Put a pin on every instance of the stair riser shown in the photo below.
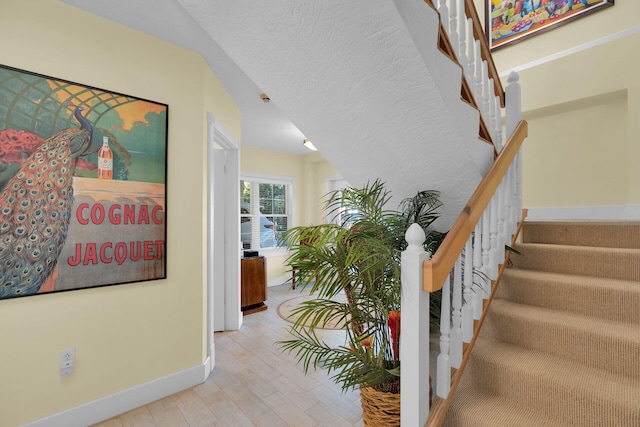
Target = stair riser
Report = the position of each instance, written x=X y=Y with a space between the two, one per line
x=613 y=303
x=575 y=406
x=595 y=349
x=623 y=264
x=583 y=234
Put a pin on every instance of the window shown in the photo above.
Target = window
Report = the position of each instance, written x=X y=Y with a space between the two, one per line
x=343 y=216
x=264 y=210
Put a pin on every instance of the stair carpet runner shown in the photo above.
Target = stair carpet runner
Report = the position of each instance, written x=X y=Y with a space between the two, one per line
x=560 y=345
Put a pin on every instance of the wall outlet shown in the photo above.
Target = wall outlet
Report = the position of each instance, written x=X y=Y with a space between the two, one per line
x=67 y=359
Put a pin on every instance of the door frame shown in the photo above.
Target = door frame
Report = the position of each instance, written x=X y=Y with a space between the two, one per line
x=220 y=142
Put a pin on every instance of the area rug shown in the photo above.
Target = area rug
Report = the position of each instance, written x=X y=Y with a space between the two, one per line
x=285 y=310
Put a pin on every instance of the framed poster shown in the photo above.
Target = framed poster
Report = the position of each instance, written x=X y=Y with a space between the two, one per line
x=510 y=21
x=82 y=186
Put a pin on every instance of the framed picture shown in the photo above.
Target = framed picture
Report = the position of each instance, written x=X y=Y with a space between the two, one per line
x=82 y=186
x=511 y=21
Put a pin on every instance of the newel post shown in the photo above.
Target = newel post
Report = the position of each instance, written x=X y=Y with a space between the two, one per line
x=513 y=103
x=414 y=338
x=513 y=107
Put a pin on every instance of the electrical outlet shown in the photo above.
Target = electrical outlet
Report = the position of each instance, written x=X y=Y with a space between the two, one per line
x=67 y=358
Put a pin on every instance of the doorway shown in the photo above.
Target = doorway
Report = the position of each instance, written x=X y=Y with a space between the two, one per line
x=223 y=233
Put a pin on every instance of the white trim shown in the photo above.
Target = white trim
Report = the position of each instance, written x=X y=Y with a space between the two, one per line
x=267 y=179
x=613 y=213
x=118 y=403
x=222 y=136
x=571 y=51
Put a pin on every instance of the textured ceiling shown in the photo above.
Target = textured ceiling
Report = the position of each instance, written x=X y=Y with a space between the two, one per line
x=263 y=125
x=349 y=75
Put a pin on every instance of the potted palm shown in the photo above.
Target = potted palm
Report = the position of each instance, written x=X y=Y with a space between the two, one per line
x=352 y=270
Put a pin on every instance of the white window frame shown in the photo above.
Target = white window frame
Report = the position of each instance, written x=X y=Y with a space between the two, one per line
x=335 y=183
x=289 y=182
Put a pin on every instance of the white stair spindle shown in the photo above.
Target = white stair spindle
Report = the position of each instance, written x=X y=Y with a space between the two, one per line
x=493 y=231
x=502 y=232
x=486 y=250
x=444 y=15
x=478 y=76
x=514 y=196
x=467 y=294
x=493 y=114
x=498 y=124
x=453 y=27
x=486 y=94
x=477 y=270
x=463 y=56
x=471 y=66
x=456 y=315
x=443 y=376
x=508 y=208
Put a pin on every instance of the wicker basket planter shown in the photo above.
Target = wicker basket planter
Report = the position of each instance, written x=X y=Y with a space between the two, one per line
x=379 y=409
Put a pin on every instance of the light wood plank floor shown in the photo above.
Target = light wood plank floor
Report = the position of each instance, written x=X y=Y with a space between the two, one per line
x=254 y=384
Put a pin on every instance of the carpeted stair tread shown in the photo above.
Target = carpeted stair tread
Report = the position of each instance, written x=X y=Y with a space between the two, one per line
x=607 y=299
x=603 y=344
x=565 y=390
x=621 y=264
x=560 y=345
x=476 y=408
x=587 y=233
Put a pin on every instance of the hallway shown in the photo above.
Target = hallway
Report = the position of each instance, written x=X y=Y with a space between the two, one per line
x=254 y=384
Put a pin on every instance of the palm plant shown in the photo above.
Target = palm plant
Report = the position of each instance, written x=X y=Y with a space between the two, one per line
x=361 y=259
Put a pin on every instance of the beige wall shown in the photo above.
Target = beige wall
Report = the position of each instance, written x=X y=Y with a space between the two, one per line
x=310 y=174
x=582 y=110
x=124 y=335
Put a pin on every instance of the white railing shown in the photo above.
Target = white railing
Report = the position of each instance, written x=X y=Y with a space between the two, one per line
x=464 y=31
x=464 y=267
x=467 y=262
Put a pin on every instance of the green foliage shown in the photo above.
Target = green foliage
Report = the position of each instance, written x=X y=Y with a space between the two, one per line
x=360 y=258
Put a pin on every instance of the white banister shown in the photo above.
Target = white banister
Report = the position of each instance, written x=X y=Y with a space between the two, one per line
x=414 y=318
x=456 y=316
x=467 y=294
x=478 y=293
x=453 y=27
x=443 y=378
x=463 y=55
x=444 y=14
x=471 y=62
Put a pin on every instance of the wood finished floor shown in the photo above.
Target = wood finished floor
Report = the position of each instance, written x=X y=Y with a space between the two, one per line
x=254 y=384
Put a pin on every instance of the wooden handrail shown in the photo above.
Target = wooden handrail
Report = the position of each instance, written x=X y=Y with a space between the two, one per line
x=435 y=270
x=478 y=34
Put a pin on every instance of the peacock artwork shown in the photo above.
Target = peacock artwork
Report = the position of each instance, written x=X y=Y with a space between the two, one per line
x=82 y=186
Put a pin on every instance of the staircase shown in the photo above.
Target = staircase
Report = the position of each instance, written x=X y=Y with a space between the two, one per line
x=560 y=345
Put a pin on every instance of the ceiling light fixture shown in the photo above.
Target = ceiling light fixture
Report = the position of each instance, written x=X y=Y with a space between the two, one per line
x=309 y=145
x=264 y=97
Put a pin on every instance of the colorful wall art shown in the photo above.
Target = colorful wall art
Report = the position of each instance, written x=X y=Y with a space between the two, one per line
x=82 y=186
x=510 y=21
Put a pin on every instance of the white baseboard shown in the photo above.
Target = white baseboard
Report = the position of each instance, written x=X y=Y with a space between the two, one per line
x=126 y=400
x=597 y=213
